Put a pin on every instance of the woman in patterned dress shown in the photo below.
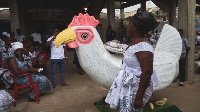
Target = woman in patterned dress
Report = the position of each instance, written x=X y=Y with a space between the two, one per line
x=133 y=85
x=17 y=66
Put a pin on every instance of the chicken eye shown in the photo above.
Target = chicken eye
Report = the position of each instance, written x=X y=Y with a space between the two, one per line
x=84 y=36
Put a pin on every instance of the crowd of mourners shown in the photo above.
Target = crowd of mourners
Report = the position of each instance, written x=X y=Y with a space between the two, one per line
x=123 y=38
x=23 y=55
x=31 y=45
x=34 y=52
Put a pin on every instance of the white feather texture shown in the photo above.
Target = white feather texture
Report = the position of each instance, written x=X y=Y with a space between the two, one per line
x=102 y=66
x=97 y=62
x=166 y=56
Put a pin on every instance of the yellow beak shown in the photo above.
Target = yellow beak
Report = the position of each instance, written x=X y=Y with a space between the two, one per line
x=65 y=37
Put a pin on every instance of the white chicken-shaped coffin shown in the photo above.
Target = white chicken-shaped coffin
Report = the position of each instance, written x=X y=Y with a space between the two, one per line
x=102 y=66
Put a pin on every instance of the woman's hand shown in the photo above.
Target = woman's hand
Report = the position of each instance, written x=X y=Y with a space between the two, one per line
x=34 y=70
x=138 y=103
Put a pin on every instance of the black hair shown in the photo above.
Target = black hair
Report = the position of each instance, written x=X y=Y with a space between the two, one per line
x=56 y=28
x=41 y=46
x=144 y=21
x=180 y=30
x=30 y=46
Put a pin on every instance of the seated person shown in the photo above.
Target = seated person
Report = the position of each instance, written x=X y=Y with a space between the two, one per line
x=33 y=55
x=42 y=58
x=17 y=66
x=27 y=57
x=5 y=101
x=9 y=49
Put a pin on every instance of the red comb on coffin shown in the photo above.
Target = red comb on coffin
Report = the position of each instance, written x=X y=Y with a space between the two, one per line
x=84 y=20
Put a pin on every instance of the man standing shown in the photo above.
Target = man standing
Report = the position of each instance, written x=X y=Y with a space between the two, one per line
x=182 y=61
x=19 y=37
x=58 y=56
x=37 y=37
x=110 y=34
x=197 y=40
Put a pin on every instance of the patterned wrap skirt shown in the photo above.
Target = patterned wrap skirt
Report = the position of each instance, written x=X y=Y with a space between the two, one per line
x=43 y=83
x=5 y=101
x=123 y=91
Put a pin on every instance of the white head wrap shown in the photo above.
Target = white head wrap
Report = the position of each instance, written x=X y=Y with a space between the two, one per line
x=6 y=34
x=16 y=45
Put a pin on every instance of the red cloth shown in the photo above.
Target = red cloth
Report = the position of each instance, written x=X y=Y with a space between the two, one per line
x=42 y=58
x=25 y=43
x=9 y=40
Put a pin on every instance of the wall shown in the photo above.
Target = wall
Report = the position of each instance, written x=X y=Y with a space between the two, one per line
x=5 y=21
x=104 y=22
x=5 y=14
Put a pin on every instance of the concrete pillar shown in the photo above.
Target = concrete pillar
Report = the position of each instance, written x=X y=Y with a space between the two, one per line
x=172 y=13
x=21 y=10
x=122 y=13
x=14 y=15
x=143 y=5
x=186 y=19
x=111 y=12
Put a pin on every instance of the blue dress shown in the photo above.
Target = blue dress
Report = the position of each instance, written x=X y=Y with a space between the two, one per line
x=43 y=83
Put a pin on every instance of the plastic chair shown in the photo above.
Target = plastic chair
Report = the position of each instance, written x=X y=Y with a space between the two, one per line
x=31 y=84
x=17 y=87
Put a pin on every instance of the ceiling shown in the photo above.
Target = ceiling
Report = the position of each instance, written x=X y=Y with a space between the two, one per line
x=55 y=3
x=71 y=3
x=3 y=3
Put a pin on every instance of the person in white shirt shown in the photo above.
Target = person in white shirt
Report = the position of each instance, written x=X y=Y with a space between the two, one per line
x=197 y=41
x=6 y=34
x=58 y=56
x=37 y=37
x=19 y=37
x=32 y=53
x=6 y=101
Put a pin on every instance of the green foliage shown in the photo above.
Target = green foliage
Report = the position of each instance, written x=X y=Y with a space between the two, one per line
x=101 y=106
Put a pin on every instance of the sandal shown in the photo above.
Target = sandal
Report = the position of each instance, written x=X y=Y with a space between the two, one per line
x=64 y=84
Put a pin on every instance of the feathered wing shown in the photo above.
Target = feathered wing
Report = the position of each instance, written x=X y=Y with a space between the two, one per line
x=166 y=56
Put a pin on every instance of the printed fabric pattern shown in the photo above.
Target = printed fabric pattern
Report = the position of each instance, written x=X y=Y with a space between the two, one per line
x=124 y=88
x=43 y=83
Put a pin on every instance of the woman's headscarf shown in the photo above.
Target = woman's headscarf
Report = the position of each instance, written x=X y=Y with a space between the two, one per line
x=16 y=45
x=6 y=34
x=144 y=21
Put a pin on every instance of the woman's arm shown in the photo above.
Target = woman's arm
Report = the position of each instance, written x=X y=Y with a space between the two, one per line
x=145 y=59
x=15 y=70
